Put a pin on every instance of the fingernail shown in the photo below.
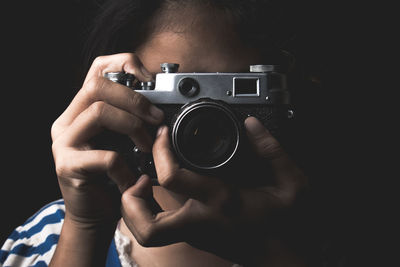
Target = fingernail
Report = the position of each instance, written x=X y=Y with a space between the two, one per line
x=254 y=126
x=160 y=130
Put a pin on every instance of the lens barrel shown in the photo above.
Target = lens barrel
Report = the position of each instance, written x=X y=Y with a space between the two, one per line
x=205 y=134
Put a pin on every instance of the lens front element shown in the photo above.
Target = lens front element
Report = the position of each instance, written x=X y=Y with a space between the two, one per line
x=205 y=134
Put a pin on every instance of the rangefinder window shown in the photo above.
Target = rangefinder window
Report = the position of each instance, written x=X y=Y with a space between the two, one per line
x=244 y=87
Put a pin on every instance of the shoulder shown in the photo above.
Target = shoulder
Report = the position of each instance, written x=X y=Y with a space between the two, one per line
x=34 y=242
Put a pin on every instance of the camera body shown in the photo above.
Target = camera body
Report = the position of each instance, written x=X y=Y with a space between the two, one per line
x=205 y=112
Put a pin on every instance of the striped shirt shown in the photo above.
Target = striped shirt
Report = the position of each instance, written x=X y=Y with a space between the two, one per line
x=34 y=242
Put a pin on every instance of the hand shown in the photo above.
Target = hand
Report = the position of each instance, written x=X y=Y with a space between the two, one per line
x=100 y=104
x=235 y=223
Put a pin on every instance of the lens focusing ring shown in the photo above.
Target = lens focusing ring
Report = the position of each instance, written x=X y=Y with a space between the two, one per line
x=205 y=134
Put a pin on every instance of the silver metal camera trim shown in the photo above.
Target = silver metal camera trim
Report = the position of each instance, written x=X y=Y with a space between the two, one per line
x=216 y=86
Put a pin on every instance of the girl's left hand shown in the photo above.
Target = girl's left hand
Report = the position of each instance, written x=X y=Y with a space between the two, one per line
x=235 y=223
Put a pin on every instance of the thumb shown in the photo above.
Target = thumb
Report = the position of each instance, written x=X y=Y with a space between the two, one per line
x=289 y=177
x=265 y=145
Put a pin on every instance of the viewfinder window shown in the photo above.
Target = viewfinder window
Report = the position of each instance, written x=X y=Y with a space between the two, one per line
x=244 y=87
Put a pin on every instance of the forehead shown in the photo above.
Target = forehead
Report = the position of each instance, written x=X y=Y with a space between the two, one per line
x=199 y=41
x=196 y=53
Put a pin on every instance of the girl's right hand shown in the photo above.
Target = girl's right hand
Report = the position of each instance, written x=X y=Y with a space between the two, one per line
x=99 y=105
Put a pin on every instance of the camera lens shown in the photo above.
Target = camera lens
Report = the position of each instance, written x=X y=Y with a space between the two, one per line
x=205 y=135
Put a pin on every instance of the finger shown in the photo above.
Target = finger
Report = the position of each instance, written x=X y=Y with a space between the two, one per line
x=127 y=62
x=177 y=179
x=137 y=206
x=100 y=116
x=164 y=158
x=266 y=146
x=264 y=143
x=143 y=189
x=95 y=89
x=157 y=229
x=101 y=89
x=77 y=164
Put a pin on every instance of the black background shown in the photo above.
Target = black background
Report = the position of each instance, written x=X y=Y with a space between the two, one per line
x=41 y=53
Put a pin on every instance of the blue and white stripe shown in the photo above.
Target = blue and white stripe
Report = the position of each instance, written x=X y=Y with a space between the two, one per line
x=34 y=242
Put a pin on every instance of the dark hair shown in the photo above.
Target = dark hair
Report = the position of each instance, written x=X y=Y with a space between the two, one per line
x=122 y=25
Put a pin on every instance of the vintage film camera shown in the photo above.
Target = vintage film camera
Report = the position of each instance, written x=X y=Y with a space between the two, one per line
x=205 y=113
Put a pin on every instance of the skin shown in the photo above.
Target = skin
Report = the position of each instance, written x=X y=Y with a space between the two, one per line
x=178 y=222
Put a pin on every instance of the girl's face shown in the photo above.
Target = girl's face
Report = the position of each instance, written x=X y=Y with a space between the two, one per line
x=206 y=43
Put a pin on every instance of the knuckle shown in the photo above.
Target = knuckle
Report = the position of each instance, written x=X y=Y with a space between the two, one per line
x=76 y=184
x=130 y=57
x=125 y=199
x=79 y=184
x=147 y=236
x=60 y=170
x=93 y=87
x=98 y=61
x=54 y=129
x=137 y=100
x=112 y=161
x=97 y=109
x=62 y=166
x=54 y=148
x=65 y=167
x=192 y=204
x=168 y=180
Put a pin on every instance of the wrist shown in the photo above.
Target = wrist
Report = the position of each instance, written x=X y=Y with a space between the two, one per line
x=89 y=226
x=83 y=244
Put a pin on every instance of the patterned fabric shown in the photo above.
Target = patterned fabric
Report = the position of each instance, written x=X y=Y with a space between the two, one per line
x=33 y=243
